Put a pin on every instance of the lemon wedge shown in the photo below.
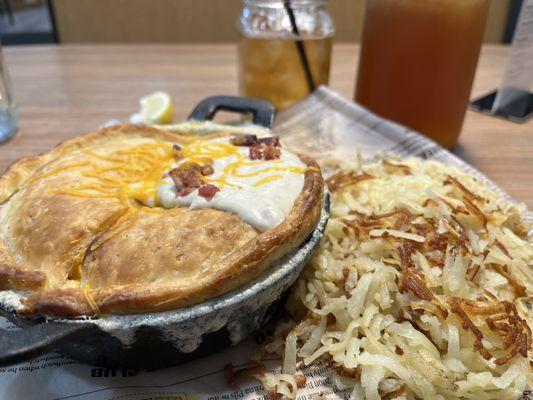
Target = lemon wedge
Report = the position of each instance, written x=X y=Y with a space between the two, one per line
x=156 y=108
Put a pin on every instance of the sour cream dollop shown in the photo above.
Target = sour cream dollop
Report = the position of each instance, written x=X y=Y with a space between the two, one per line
x=261 y=192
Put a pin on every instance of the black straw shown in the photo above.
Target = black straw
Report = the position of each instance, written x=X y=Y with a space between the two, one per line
x=300 y=47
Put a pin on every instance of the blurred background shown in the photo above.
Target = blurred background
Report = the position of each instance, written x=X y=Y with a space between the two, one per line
x=173 y=21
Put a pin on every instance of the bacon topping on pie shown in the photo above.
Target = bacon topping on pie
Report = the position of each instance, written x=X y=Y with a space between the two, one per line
x=208 y=191
x=267 y=148
x=270 y=141
x=187 y=178
x=243 y=140
x=264 y=152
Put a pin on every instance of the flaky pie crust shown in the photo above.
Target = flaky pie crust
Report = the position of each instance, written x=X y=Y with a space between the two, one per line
x=158 y=262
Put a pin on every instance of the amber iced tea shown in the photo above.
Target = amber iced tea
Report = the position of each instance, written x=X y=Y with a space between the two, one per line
x=271 y=69
x=418 y=60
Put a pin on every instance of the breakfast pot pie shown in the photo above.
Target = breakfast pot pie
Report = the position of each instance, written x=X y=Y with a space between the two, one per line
x=133 y=219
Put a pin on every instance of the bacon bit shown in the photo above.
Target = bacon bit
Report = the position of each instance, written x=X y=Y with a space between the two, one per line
x=398 y=350
x=243 y=140
x=462 y=188
x=346 y=178
x=208 y=191
x=518 y=288
x=234 y=376
x=271 y=153
x=255 y=153
x=270 y=141
x=253 y=140
x=176 y=151
x=261 y=151
x=267 y=148
x=406 y=170
x=186 y=177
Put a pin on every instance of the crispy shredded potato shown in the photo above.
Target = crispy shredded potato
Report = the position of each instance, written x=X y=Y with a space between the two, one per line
x=421 y=289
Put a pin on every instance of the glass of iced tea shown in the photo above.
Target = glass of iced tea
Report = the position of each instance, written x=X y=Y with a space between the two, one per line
x=271 y=64
x=417 y=62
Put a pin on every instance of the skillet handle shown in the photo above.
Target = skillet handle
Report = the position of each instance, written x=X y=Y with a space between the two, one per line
x=23 y=344
x=263 y=112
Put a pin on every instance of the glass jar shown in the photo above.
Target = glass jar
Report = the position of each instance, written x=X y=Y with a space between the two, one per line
x=282 y=59
x=8 y=110
x=418 y=60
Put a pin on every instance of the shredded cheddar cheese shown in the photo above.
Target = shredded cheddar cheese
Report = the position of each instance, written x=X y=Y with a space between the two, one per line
x=133 y=175
x=202 y=152
x=90 y=300
x=130 y=174
x=133 y=178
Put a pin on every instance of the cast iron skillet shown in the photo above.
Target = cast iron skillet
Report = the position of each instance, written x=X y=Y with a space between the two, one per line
x=168 y=338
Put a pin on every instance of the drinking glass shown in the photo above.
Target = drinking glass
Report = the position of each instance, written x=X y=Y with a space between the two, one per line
x=277 y=64
x=417 y=62
x=8 y=110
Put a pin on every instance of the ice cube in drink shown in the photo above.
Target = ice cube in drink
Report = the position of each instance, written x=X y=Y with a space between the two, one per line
x=271 y=69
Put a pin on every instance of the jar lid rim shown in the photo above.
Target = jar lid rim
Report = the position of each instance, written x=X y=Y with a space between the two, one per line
x=278 y=3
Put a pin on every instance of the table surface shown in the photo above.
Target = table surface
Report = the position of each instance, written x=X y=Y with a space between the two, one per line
x=67 y=90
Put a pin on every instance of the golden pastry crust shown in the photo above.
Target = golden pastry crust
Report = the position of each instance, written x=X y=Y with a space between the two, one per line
x=83 y=256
